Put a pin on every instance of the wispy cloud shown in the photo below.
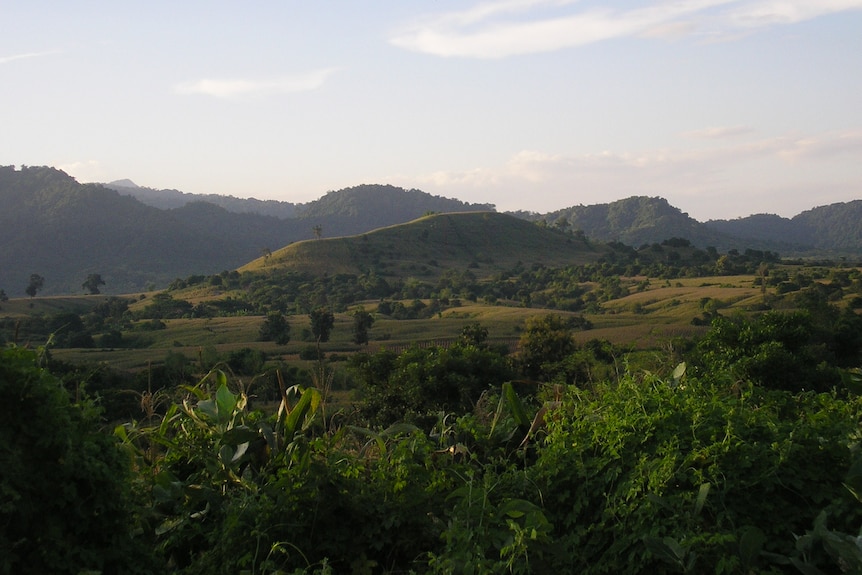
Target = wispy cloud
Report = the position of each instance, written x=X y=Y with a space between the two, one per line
x=25 y=56
x=237 y=87
x=511 y=27
x=718 y=132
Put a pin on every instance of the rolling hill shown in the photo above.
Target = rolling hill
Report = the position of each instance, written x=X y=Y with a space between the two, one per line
x=53 y=226
x=833 y=228
x=484 y=242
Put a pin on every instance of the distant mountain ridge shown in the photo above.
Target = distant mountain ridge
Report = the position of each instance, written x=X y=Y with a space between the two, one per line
x=53 y=226
x=834 y=227
x=170 y=199
x=63 y=230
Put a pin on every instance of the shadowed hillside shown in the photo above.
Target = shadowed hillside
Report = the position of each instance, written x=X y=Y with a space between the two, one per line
x=836 y=227
x=485 y=242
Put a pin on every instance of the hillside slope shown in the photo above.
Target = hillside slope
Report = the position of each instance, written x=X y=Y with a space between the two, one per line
x=836 y=227
x=484 y=242
x=642 y=220
x=62 y=230
x=53 y=226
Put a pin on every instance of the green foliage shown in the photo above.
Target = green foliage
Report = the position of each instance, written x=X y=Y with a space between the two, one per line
x=275 y=328
x=246 y=361
x=647 y=475
x=362 y=322
x=421 y=382
x=545 y=342
x=65 y=505
x=777 y=350
x=322 y=322
x=164 y=306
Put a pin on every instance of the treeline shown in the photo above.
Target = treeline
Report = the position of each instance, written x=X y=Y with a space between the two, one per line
x=570 y=288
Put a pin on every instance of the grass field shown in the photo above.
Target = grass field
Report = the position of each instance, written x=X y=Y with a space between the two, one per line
x=643 y=320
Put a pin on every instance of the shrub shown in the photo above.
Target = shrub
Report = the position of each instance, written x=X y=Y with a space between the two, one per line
x=65 y=504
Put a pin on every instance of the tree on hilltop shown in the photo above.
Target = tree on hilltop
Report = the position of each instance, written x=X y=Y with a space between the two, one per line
x=37 y=282
x=92 y=283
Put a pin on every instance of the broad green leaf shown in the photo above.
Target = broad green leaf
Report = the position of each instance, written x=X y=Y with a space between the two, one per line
x=679 y=372
x=225 y=403
x=239 y=434
x=515 y=406
x=208 y=407
x=121 y=433
x=306 y=406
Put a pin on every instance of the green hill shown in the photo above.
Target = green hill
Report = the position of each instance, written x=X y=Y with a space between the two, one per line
x=834 y=228
x=640 y=220
x=53 y=226
x=485 y=242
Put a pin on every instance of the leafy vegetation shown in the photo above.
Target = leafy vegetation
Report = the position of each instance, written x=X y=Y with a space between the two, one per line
x=67 y=506
x=602 y=409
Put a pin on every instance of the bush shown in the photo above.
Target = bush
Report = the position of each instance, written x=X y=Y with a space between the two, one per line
x=643 y=472
x=65 y=504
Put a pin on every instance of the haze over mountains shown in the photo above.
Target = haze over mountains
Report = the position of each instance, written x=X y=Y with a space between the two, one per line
x=138 y=237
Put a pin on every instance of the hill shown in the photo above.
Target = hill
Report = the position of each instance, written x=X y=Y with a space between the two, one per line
x=63 y=230
x=170 y=199
x=53 y=226
x=833 y=228
x=484 y=242
x=350 y=210
x=640 y=220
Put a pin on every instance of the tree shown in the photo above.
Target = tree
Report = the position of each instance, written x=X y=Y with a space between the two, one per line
x=474 y=334
x=318 y=231
x=3 y=296
x=92 y=283
x=322 y=322
x=547 y=340
x=275 y=328
x=36 y=284
x=362 y=322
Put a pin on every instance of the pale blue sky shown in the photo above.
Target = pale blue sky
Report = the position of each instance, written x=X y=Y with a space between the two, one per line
x=725 y=108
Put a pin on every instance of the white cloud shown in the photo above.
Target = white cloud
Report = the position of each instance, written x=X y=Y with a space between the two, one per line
x=14 y=57
x=84 y=170
x=501 y=29
x=718 y=132
x=725 y=178
x=771 y=12
x=237 y=87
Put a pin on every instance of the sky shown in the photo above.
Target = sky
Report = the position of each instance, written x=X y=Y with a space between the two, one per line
x=724 y=108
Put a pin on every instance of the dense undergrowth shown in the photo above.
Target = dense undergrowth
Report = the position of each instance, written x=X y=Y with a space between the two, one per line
x=705 y=468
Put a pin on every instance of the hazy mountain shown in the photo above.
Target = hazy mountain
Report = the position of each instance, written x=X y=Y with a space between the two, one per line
x=62 y=230
x=836 y=227
x=54 y=226
x=642 y=220
x=168 y=199
x=359 y=208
